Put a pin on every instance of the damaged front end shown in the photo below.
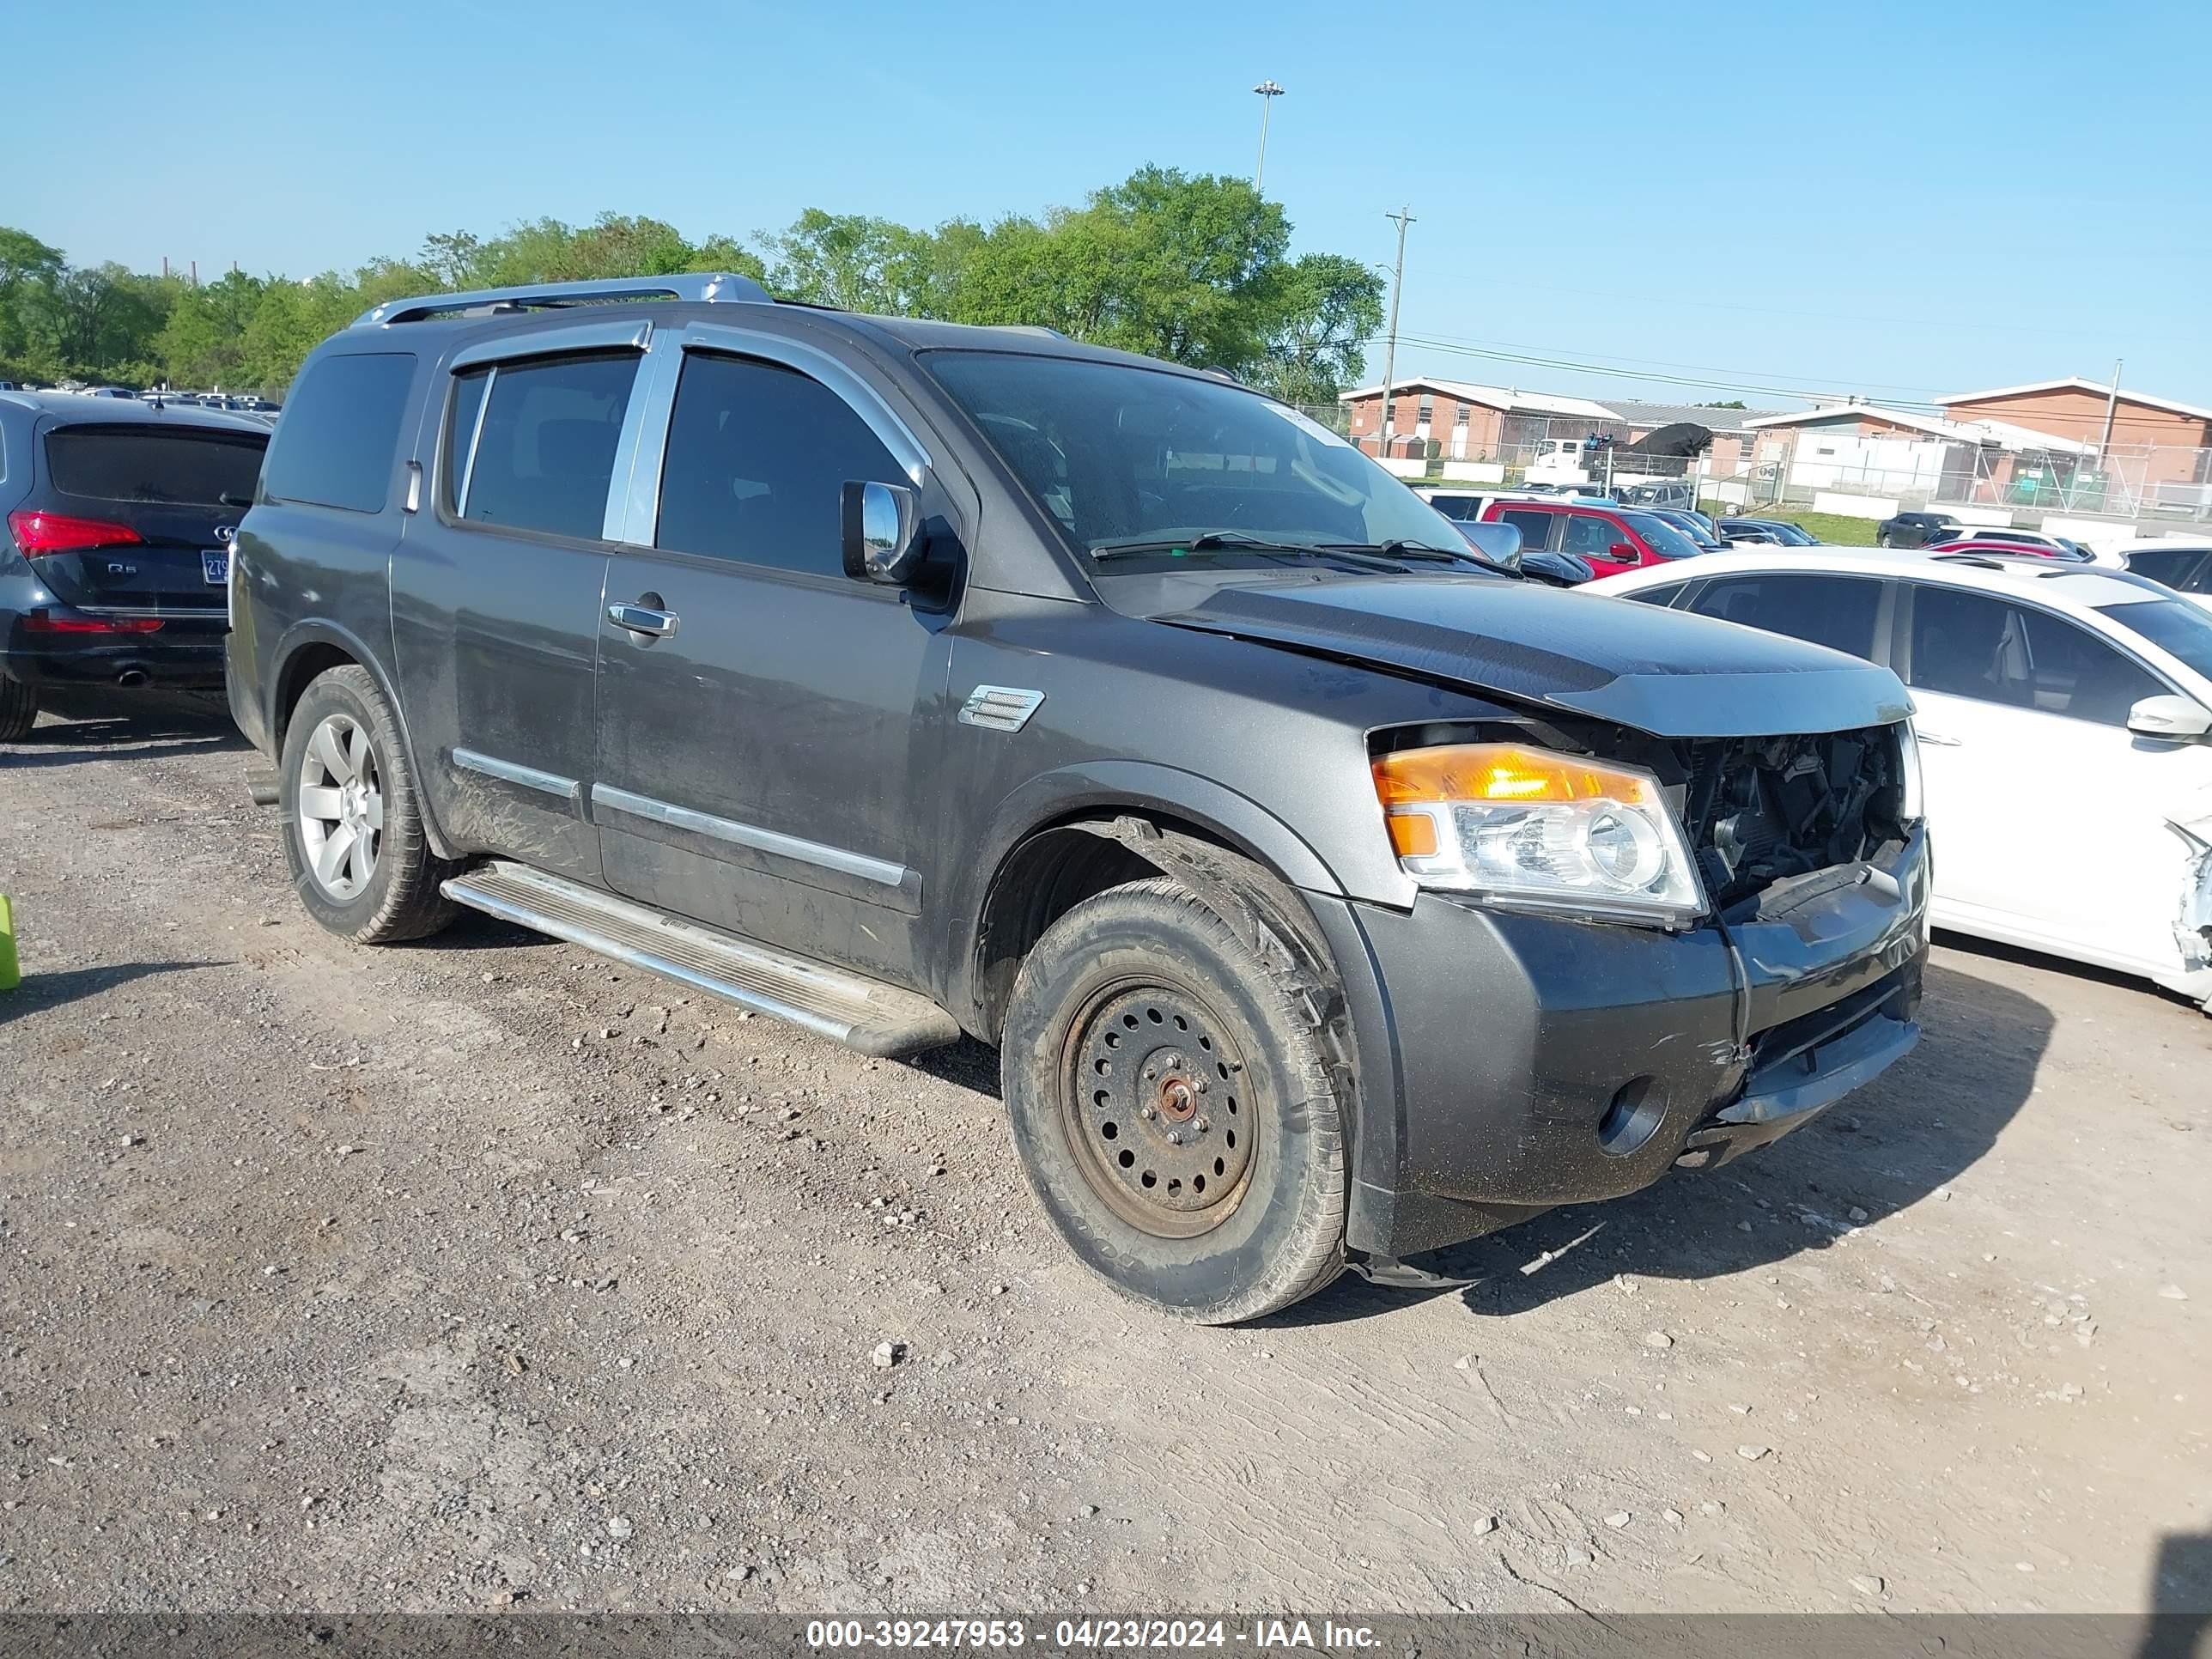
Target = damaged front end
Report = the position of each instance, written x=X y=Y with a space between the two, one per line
x=2193 y=924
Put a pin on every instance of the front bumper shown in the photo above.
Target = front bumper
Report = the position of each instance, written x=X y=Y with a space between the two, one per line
x=1508 y=1063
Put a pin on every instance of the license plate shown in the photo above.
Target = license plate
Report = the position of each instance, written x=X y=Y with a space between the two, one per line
x=215 y=565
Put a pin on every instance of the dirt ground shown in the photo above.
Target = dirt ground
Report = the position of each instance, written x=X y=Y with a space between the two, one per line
x=485 y=1273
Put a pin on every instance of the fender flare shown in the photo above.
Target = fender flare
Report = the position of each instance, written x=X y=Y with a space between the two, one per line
x=1111 y=788
x=316 y=630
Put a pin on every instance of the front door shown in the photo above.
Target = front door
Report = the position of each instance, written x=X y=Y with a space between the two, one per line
x=1609 y=548
x=766 y=722
x=497 y=590
x=2049 y=815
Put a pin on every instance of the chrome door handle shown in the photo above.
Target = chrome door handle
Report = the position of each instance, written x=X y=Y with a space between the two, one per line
x=642 y=619
x=1934 y=741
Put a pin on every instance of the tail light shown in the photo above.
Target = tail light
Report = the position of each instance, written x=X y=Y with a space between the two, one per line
x=41 y=533
x=44 y=622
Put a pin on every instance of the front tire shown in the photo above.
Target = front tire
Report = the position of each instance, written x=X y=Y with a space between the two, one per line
x=1174 y=1107
x=19 y=710
x=354 y=837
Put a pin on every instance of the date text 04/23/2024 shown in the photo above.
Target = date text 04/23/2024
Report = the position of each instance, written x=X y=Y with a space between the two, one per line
x=1260 y=1634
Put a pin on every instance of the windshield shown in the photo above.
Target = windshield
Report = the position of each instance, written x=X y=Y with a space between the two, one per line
x=2176 y=626
x=1124 y=457
x=1688 y=524
x=1665 y=540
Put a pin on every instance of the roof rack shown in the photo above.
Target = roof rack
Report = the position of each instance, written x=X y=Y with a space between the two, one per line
x=699 y=286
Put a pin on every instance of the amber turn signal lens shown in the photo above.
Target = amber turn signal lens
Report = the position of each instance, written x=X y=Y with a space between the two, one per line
x=1412 y=835
x=1501 y=772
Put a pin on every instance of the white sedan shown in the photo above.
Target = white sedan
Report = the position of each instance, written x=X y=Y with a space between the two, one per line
x=2064 y=713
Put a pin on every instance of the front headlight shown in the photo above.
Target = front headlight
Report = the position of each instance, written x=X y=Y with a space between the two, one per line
x=1529 y=828
x=1912 y=803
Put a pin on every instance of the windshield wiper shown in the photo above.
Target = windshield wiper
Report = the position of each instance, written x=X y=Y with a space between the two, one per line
x=1212 y=541
x=1421 y=553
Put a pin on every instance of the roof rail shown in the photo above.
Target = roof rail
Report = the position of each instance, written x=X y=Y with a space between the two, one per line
x=702 y=286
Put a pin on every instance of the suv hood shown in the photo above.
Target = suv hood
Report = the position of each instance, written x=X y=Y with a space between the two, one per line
x=1661 y=672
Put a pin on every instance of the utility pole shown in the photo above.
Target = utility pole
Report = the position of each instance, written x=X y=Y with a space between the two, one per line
x=1269 y=91
x=2112 y=409
x=1401 y=218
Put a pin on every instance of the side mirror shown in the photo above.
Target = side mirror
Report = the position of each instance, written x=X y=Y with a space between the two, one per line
x=1500 y=544
x=2176 y=719
x=1625 y=552
x=879 y=522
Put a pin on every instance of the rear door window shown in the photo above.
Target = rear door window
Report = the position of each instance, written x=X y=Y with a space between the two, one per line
x=336 y=442
x=543 y=456
x=1535 y=527
x=110 y=462
x=1836 y=612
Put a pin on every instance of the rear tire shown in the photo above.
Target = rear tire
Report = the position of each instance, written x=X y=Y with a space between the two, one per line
x=353 y=836
x=1174 y=1107
x=19 y=710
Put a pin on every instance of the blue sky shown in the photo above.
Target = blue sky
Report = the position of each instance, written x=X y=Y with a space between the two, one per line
x=1895 y=200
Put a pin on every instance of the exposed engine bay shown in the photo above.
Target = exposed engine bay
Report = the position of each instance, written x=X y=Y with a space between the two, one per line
x=1761 y=810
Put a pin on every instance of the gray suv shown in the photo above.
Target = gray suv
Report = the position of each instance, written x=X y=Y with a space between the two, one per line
x=1330 y=895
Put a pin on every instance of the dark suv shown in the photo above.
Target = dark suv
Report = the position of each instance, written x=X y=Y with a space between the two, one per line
x=1328 y=897
x=114 y=563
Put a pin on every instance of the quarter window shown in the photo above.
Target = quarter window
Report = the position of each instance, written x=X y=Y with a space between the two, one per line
x=1836 y=612
x=545 y=432
x=1966 y=645
x=758 y=457
x=341 y=432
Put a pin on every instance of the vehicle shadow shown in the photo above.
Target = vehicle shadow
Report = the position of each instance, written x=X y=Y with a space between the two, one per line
x=1894 y=1144
x=2025 y=957
x=91 y=724
x=40 y=990
x=966 y=1064
x=2180 y=1623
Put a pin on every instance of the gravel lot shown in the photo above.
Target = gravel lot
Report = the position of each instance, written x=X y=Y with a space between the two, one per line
x=484 y=1273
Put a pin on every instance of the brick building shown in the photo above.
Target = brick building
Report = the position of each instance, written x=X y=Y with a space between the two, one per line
x=2173 y=440
x=1469 y=422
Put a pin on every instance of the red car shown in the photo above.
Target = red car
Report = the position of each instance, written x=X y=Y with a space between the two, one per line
x=1612 y=538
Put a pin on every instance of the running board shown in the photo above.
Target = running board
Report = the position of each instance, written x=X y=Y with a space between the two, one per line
x=863 y=1014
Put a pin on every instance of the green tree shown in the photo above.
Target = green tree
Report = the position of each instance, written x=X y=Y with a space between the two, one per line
x=1323 y=310
x=92 y=321
x=203 y=341
x=860 y=264
x=26 y=266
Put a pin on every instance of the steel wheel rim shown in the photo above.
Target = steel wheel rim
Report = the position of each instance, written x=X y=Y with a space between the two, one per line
x=1157 y=1102
x=340 y=807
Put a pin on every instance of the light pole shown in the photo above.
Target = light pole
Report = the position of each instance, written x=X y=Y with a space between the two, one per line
x=1401 y=218
x=1269 y=91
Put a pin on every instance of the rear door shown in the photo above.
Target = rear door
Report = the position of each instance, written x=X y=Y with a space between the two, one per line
x=137 y=513
x=497 y=588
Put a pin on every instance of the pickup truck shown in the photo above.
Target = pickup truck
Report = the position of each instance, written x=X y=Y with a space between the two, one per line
x=1329 y=896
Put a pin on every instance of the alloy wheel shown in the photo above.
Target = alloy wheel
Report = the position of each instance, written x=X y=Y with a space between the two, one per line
x=341 y=807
